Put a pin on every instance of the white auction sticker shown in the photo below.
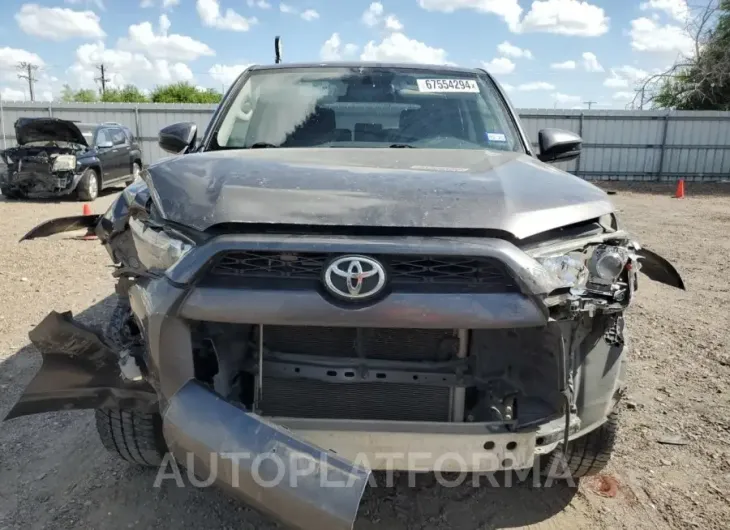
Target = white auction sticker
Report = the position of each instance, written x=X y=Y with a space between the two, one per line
x=447 y=85
x=496 y=137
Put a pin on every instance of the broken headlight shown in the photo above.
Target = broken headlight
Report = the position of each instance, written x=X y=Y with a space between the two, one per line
x=595 y=265
x=607 y=263
x=568 y=271
x=64 y=163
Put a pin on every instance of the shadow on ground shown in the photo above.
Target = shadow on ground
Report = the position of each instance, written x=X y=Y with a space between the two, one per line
x=56 y=474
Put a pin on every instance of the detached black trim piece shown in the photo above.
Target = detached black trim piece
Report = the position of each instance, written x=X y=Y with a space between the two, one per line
x=62 y=224
x=659 y=269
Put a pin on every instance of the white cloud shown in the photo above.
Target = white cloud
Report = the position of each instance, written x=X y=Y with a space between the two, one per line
x=567 y=65
x=393 y=24
x=309 y=15
x=373 y=14
x=334 y=50
x=10 y=57
x=286 y=8
x=565 y=99
x=397 y=47
x=510 y=50
x=677 y=9
x=624 y=96
x=210 y=14
x=99 y=4
x=648 y=36
x=12 y=94
x=624 y=77
x=536 y=85
x=124 y=67
x=509 y=10
x=590 y=62
x=566 y=17
x=261 y=4
x=508 y=87
x=226 y=73
x=58 y=23
x=166 y=4
x=499 y=66
x=161 y=45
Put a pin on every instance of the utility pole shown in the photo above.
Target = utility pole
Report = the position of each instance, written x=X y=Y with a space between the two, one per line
x=590 y=104
x=29 y=69
x=641 y=92
x=102 y=78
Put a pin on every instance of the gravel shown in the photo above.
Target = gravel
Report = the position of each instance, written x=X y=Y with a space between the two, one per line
x=54 y=472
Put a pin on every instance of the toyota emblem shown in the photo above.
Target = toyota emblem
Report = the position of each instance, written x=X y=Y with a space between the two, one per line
x=354 y=277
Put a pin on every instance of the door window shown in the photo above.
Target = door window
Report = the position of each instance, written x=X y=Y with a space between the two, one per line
x=102 y=137
x=118 y=137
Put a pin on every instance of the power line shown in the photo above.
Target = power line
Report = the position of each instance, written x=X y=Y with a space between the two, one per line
x=590 y=104
x=102 y=78
x=29 y=68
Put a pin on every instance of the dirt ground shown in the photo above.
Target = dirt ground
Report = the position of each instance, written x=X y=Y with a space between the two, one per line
x=54 y=472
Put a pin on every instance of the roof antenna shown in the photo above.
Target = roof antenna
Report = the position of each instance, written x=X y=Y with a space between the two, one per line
x=277 y=49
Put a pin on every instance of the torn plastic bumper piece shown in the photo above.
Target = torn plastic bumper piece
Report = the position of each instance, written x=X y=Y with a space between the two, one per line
x=297 y=483
x=79 y=371
x=63 y=224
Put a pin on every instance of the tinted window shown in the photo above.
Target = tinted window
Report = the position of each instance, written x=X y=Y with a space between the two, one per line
x=118 y=137
x=367 y=107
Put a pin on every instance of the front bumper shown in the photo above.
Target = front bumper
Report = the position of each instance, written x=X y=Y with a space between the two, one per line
x=41 y=184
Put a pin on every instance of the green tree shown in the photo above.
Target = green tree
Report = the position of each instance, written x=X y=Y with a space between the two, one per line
x=184 y=93
x=700 y=82
x=86 y=96
x=127 y=94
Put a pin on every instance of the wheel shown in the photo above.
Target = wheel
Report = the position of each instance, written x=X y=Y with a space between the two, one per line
x=588 y=455
x=134 y=436
x=88 y=187
x=9 y=195
x=136 y=169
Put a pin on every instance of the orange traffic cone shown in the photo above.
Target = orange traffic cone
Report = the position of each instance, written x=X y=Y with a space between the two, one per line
x=680 y=190
x=89 y=235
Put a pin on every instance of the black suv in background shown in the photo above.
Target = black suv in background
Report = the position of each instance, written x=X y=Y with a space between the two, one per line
x=55 y=158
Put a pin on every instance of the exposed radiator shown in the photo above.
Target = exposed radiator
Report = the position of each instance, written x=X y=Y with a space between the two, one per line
x=298 y=398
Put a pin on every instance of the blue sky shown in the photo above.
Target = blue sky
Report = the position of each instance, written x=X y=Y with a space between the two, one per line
x=548 y=53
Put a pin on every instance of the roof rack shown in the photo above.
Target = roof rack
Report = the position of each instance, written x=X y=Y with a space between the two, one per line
x=111 y=123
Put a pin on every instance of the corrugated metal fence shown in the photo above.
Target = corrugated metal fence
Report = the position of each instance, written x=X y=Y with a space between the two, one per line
x=618 y=145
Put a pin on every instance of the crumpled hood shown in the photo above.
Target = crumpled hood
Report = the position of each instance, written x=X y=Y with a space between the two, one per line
x=414 y=188
x=47 y=130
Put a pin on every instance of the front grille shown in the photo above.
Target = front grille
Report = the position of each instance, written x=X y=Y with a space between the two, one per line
x=406 y=273
x=299 y=398
x=371 y=343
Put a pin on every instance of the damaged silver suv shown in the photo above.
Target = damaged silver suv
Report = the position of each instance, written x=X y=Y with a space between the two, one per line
x=359 y=267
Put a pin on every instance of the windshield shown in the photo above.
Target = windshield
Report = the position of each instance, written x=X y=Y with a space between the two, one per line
x=367 y=107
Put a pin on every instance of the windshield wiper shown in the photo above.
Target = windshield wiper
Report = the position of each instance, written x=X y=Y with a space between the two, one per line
x=402 y=146
x=261 y=145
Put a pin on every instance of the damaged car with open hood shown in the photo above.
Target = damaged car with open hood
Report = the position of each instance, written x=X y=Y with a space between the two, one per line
x=359 y=267
x=63 y=158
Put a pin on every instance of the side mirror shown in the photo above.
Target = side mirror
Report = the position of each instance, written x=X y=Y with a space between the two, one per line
x=105 y=145
x=178 y=138
x=557 y=145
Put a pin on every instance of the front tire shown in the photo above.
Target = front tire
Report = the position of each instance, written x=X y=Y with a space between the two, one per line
x=88 y=187
x=10 y=195
x=588 y=455
x=136 y=170
x=134 y=436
